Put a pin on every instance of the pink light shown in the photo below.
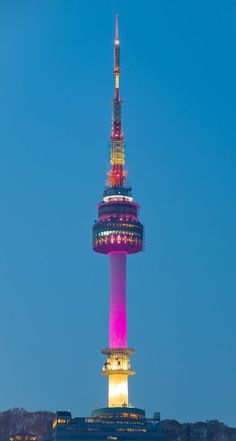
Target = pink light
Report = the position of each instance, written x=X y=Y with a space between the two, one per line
x=118 y=325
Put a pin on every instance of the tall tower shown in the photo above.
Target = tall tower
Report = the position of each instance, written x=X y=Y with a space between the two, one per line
x=117 y=232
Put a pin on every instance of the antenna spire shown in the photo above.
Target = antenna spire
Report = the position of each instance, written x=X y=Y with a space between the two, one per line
x=116 y=57
x=117 y=173
x=116 y=27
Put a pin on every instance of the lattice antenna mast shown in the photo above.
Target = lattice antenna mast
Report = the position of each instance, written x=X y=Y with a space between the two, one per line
x=117 y=173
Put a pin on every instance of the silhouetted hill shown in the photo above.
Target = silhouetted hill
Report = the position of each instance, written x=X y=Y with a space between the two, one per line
x=208 y=431
x=39 y=423
x=19 y=420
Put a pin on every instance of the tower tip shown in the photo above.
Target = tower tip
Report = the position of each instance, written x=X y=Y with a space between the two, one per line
x=117 y=27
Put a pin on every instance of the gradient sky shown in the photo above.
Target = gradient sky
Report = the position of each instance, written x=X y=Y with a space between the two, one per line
x=178 y=86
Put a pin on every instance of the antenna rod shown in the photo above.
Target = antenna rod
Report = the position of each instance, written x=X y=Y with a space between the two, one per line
x=116 y=57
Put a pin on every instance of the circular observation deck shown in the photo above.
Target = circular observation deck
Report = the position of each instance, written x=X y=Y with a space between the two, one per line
x=118 y=228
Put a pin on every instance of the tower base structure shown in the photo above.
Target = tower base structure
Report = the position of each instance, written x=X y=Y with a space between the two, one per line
x=108 y=424
x=117 y=368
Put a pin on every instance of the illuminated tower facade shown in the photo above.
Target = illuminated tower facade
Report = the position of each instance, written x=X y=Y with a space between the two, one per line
x=117 y=232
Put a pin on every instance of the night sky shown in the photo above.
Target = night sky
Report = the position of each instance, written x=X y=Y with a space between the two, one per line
x=178 y=86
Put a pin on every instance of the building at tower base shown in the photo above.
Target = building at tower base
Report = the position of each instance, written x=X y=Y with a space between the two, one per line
x=117 y=424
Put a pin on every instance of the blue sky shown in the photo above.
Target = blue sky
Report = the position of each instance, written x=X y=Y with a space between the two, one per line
x=178 y=86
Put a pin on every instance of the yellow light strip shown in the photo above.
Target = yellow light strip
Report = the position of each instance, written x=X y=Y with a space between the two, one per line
x=118 y=390
x=117 y=153
x=117 y=81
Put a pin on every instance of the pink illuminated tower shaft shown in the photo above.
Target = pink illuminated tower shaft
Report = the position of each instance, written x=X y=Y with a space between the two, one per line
x=117 y=322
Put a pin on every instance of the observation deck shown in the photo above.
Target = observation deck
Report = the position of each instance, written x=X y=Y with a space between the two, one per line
x=118 y=228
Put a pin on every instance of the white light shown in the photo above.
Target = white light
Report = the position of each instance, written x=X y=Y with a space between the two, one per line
x=117 y=197
x=117 y=389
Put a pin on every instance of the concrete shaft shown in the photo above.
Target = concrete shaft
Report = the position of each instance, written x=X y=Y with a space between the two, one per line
x=118 y=322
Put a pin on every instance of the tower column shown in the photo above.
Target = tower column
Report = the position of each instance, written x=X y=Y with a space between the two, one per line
x=118 y=321
x=117 y=232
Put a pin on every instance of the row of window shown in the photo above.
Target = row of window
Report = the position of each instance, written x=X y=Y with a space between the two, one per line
x=98 y=429
x=118 y=232
x=117 y=207
x=112 y=239
x=109 y=218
